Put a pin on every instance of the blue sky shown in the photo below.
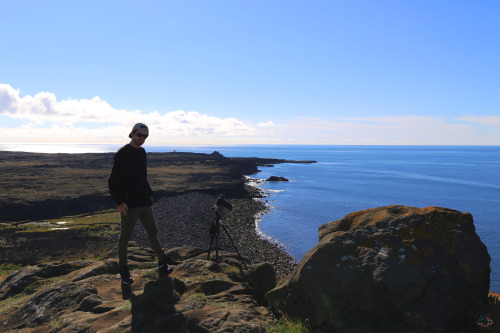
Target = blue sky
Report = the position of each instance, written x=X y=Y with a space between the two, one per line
x=251 y=72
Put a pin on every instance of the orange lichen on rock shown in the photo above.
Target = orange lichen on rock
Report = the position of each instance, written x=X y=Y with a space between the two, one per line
x=395 y=263
x=360 y=252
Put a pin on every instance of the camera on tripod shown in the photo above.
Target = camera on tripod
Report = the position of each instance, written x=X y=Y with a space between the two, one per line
x=217 y=225
x=221 y=201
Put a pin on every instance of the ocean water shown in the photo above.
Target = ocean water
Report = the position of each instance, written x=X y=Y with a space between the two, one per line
x=351 y=178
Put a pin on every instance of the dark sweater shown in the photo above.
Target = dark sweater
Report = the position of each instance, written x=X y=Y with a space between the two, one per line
x=128 y=182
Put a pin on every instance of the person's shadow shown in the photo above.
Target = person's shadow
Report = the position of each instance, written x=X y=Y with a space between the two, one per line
x=154 y=310
x=127 y=291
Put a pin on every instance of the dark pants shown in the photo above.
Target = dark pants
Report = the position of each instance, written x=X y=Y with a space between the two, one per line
x=145 y=215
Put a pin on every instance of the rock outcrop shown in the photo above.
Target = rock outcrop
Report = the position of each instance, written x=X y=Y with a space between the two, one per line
x=390 y=269
x=87 y=296
x=277 y=179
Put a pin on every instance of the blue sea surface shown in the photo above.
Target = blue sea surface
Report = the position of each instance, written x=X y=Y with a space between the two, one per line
x=352 y=178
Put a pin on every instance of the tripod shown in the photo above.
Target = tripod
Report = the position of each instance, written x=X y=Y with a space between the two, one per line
x=215 y=230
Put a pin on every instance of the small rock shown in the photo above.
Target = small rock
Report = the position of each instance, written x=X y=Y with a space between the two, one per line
x=276 y=179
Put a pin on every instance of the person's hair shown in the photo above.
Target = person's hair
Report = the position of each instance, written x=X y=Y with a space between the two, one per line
x=136 y=127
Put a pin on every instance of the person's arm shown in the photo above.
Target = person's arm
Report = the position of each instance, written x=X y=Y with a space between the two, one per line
x=116 y=182
x=149 y=187
x=122 y=208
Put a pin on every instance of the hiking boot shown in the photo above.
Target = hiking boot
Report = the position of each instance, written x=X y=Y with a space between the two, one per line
x=164 y=269
x=171 y=261
x=163 y=265
x=125 y=275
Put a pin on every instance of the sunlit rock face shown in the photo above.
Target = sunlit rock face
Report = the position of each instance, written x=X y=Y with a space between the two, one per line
x=390 y=269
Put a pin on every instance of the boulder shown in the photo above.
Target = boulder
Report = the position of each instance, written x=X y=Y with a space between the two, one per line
x=390 y=269
x=262 y=278
x=276 y=179
x=108 y=266
x=18 y=281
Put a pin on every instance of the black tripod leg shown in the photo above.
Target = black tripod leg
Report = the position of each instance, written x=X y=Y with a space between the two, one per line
x=217 y=247
x=229 y=236
x=210 y=247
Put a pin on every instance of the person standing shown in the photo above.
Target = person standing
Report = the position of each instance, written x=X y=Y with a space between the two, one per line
x=129 y=188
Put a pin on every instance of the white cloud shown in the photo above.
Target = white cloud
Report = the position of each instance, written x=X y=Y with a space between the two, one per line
x=266 y=124
x=44 y=115
x=44 y=107
x=390 y=130
x=45 y=119
x=486 y=120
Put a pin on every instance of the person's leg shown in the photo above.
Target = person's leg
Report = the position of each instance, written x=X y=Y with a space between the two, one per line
x=147 y=219
x=127 y=225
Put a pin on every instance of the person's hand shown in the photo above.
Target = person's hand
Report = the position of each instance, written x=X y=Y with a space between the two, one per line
x=123 y=208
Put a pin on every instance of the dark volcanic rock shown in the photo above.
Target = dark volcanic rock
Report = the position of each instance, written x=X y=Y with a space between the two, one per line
x=262 y=278
x=276 y=179
x=49 y=303
x=391 y=269
x=19 y=280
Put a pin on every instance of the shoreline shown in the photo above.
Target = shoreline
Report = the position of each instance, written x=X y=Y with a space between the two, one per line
x=185 y=220
x=44 y=187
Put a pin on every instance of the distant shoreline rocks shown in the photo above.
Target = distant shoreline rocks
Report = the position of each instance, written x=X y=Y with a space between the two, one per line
x=276 y=179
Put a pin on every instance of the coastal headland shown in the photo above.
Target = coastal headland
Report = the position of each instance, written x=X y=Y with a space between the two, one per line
x=57 y=206
x=38 y=185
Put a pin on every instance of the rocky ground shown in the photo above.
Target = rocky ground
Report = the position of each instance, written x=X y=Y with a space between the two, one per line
x=199 y=295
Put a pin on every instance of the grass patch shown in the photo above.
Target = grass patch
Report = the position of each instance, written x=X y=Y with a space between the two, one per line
x=103 y=224
x=230 y=269
x=90 y=222
x=34 y=287
x=105 y=216
x=60 y=322
x=124 y=307
x=287 y=325
x=8 y=268
x=84 y=327
x=12 y=303
x=152 y=275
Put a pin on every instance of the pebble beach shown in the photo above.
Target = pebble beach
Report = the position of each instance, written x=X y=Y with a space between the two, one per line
x=186 y=219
